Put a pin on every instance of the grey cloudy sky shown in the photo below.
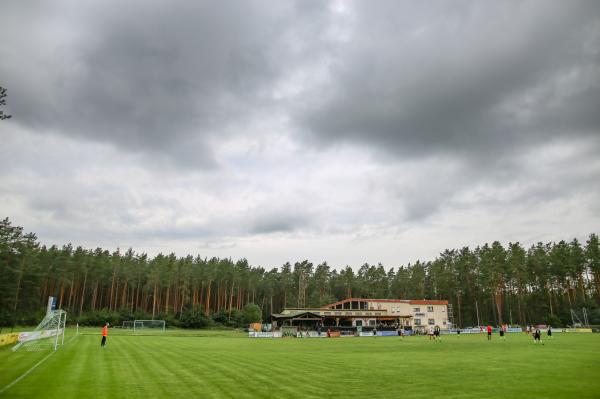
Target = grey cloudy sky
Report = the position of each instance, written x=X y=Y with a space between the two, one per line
x=346 y=131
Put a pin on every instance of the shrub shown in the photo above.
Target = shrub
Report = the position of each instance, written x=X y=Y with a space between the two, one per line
x=195 y=318
x=251 y=314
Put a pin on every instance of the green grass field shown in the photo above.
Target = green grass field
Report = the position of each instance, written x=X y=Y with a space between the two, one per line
x=215 y=364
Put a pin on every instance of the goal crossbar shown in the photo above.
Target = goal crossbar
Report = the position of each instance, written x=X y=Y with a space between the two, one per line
x=148 y=326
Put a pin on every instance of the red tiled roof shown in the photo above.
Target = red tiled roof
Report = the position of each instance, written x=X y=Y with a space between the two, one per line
x=388 y=300
x=427 y=302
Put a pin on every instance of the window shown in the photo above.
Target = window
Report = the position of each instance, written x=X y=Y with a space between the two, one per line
x=417 y=322
x=416 y=310
x=371 y=322
x=431 y=322
x=430 y=308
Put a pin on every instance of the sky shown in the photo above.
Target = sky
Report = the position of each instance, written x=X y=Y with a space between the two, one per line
x=344 y=131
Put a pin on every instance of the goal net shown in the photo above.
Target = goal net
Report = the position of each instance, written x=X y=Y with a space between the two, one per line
x=148 y=326
x=49 y=334
x=127 y=325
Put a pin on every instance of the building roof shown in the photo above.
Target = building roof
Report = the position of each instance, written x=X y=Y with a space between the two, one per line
x=427 y=302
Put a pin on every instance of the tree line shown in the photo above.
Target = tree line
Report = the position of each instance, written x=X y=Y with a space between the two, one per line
x=490 y=283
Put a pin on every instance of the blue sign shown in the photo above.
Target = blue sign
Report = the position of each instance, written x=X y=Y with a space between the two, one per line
x=51 y=304
x=387 y=333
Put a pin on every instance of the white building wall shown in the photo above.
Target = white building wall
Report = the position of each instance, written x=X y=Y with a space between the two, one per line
x=425 y=316
x=422 y=313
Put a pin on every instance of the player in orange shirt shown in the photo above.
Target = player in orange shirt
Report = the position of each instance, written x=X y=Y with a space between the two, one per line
x=104 y=334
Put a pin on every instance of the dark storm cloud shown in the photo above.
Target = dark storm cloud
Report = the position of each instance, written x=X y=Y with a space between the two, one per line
x=149 y=76
x=470 y=78
x=165 y=79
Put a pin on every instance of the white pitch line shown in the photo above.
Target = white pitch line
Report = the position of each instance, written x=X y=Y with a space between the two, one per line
x=25 y=374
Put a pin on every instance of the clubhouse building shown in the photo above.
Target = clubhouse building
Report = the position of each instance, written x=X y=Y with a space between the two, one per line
x=359 y=313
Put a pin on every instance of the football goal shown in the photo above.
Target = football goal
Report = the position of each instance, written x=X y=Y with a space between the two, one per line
x=49 y=334
x=127 y=325
x=148 y=326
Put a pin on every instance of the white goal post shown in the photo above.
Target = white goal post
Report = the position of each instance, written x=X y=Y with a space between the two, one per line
x=50 y=333
x=145 y=326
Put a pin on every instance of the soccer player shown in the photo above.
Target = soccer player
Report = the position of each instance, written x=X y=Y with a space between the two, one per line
x=104 y=335
x=549 y=332
x=458 y=332
x=489 y=331
x=502 y=331
x=436 y=333
x=399 y=330
x=430 y=333
x=537 y=336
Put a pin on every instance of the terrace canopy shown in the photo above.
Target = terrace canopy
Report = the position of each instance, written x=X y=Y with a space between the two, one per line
x=304 y=319
x=314 y=317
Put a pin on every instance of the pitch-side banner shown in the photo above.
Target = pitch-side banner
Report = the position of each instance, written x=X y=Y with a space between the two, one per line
x=379 y=334
x=33 y=335
x=256 y=334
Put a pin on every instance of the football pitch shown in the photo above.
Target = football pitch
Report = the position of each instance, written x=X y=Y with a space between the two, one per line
x=213 y=364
